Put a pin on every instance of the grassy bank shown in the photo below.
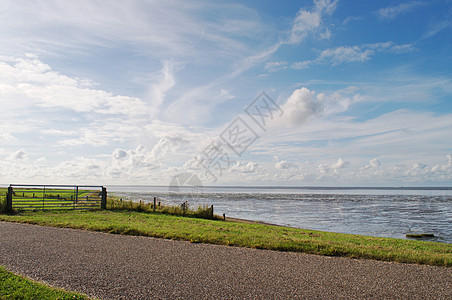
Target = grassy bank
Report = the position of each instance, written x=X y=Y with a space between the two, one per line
x=243 y=234
x=13 y=286
x=205 y=212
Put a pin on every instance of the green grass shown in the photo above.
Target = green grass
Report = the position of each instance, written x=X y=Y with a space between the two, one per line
x=51 y=192
x=241 y=234
x=204 y=212
x=2 y=200
x=13 y=286
x=32 y=198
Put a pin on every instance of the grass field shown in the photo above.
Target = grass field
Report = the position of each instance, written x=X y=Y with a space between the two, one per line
x=251 y=235
x=13 y=286
x=52 y=198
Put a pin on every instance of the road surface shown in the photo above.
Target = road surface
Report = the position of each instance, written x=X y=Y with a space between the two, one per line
x=124 y=267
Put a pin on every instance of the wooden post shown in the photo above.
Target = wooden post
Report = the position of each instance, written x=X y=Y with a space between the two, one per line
x=211 y=211
x=9 y=200
x=155 y=202
x=103 y=200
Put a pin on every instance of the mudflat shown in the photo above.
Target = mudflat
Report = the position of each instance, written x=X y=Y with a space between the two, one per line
x=124 y=267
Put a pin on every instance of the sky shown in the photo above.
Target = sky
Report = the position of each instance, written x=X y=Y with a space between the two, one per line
x=253 y=93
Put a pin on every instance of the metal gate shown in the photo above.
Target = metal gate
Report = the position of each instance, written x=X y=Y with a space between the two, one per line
x=55 y=197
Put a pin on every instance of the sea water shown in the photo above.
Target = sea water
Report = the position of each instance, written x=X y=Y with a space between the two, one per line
x=382 y=212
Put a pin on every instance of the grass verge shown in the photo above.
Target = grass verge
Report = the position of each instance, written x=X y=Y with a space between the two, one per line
x=185 y=210
x=252 y=235
x=13 y=286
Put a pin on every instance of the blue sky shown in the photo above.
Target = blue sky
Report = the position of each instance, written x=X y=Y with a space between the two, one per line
x=359 y=93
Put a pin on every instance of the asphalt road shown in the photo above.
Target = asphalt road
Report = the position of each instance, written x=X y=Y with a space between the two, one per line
x=123 y=267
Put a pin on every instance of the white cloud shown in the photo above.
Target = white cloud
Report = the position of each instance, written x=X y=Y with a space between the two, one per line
x=373 y=171
x=72 y=111
x=162 y=148
x=224 y=95
x=165 y=83
x=401 y=49
x=417 y=170
x=139 y=162
x=308 y=22
x=7 y=137
x=332 y=170
x=173 y=28
x=436 y=28
x=444 y=168
x=339 y=101
x=301 y=106
x=252 y=60
x=41 y=160
x=323 y=169
x=171 y=149
x=93 y=136
x=351 y=19
x=91 y=168
x=119 y=154
x=243 y=167
x=375 y=163
x=301 y=64
x=29 y=81
x=398 y=138
x=191 y=136
x=401 y=85
x=304 y=23
x=58 y=132
x=345 y=54
x=350 y=54
x=275 y=66
x=340 y=164
x=19 y=155
x=305 y=105
x=391 y=12
x=385 y=134
x=283 y=165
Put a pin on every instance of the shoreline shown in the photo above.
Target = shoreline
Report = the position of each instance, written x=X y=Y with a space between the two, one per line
x=362 y=212
x=426 y=237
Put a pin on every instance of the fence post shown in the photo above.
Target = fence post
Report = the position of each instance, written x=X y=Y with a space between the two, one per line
x=43 y=197
x=155 y=202
x=103 y=201
x=211 y=211
x=9 y=200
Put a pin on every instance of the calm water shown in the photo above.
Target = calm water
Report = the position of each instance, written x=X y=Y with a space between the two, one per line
x=374 y=212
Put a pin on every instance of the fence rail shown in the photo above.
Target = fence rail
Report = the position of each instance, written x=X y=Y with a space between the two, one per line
x=55 y=197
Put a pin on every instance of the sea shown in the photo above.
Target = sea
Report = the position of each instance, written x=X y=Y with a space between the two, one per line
x=380 y=212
